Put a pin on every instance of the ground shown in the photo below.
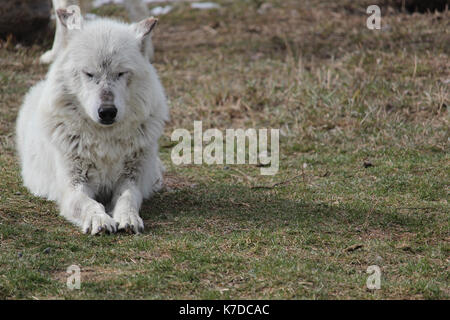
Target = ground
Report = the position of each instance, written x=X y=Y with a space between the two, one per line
x=364 y=164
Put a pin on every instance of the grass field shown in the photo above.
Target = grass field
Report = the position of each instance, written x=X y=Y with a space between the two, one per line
x=365 y=110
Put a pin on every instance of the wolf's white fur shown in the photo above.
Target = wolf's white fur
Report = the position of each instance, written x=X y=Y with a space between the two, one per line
x=97 y=174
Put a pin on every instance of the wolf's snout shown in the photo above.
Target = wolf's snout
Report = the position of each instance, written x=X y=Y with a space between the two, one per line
x=107 y=114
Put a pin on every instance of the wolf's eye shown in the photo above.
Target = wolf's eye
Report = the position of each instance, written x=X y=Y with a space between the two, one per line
x=89 y=75
x=121 y=74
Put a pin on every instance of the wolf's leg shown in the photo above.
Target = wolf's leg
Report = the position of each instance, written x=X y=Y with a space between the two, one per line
x=128 y=200
x=78 y=206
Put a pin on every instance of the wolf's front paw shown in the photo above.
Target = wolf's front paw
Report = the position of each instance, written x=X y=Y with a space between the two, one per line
x=95 y=223
x=129 y=221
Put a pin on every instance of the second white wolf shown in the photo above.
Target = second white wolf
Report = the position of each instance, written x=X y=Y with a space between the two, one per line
x=136 y=9
x=88 y=134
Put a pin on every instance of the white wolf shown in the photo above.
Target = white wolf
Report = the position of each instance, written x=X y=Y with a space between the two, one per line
x=88 y=134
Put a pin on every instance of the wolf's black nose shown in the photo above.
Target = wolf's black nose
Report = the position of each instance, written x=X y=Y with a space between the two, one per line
x=107 y=114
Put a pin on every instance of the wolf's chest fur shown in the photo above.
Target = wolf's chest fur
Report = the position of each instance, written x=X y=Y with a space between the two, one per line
x=101 y=158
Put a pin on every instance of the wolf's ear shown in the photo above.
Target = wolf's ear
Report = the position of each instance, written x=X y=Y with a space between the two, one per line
x=145 y=27
x=143 y=32
x=71 y=17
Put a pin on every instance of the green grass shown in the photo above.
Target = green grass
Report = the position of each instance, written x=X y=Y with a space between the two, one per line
x=341 y=94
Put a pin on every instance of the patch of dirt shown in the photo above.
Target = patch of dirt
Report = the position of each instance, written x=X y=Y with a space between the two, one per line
x=173 y=181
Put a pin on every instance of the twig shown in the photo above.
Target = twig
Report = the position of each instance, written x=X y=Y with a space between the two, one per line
x=354 y=247
x=247 y=177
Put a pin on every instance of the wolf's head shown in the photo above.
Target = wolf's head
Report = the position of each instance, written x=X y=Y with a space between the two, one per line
x=106 y=68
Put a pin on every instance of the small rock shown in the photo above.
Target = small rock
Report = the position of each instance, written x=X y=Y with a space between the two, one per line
x=47 y=250
x=20 y=255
